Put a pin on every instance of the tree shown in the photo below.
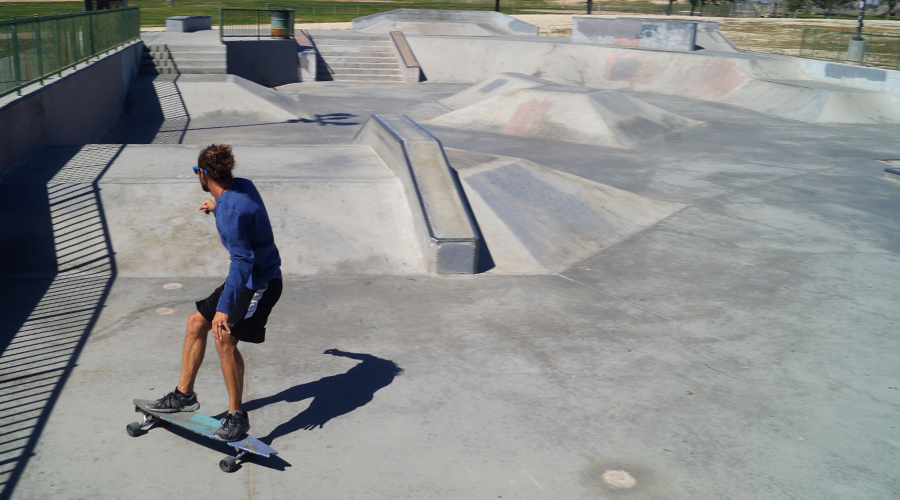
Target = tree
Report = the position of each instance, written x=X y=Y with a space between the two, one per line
x=694 y=4
x=673 y=1
x=890 y=6
x=794 y=6
x=829 y=6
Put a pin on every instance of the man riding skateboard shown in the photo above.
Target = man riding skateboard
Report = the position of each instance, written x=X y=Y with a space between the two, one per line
x=237 y=310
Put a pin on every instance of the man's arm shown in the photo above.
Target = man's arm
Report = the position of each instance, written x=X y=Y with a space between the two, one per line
x=233 y=227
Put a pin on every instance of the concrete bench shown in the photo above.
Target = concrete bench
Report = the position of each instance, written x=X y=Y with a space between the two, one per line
x=187 y=24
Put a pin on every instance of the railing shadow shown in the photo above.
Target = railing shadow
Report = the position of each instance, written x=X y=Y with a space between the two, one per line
x=154 y=113
x=60 y=269
x=332 y=396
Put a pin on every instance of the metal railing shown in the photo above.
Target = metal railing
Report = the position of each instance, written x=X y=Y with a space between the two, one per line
x=882 y=51
x=34 y=48
x=259 y=24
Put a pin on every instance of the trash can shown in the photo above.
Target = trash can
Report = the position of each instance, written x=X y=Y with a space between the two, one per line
x=279 y=23
x=856 y=52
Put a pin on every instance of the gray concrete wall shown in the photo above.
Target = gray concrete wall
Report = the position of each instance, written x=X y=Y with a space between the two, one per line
x=75 y=109
x=425 y=15
x=266 y=62
x=443 y=222
x=847 y=74
x=631 y=32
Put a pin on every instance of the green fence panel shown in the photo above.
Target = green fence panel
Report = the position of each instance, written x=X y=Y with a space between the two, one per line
x=35 y=48
x=254 y=23
x=882 y=51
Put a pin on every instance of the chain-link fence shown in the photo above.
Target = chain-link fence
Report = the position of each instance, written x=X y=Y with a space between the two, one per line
x=249 y=23
x=34 y=48
x=881 y=51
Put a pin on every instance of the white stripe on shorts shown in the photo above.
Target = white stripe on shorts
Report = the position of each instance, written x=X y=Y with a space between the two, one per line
x=255 y=301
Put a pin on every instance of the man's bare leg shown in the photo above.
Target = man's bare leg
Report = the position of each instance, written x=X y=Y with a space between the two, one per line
x=232 y=370
x=194 y=349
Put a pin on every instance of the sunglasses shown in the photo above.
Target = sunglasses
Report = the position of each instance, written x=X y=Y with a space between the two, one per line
x=198 y=169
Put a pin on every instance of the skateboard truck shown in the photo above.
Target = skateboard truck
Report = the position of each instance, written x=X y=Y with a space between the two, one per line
x=135 y=429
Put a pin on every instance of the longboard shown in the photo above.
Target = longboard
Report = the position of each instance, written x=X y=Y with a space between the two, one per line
x=201 y=424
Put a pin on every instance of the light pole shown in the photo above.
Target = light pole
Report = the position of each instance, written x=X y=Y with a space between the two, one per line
x=857 y=50
x=859 y=22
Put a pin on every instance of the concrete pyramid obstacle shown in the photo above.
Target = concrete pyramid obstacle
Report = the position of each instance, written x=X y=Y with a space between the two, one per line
x=571 y=114
x=536 y=220
x=498 y=84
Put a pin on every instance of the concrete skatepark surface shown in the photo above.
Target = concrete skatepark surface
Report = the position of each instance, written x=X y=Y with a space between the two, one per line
x=741 y=346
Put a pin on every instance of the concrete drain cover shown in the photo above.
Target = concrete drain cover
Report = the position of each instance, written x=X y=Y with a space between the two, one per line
x=619 y=479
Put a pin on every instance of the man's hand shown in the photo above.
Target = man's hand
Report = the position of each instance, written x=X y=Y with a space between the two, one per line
x=208 y=206
x=220 y=325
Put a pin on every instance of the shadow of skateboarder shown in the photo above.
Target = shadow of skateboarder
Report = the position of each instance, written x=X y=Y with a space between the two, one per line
x=332 y=396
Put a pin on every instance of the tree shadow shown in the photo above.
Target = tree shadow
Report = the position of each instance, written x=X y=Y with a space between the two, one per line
x=332 y=396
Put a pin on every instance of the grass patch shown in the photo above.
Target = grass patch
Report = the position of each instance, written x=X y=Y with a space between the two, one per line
x=28 y=9
x=155 y=12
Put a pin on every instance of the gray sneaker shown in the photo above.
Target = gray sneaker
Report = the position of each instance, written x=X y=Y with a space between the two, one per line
x=174 y=402
x=235 y=426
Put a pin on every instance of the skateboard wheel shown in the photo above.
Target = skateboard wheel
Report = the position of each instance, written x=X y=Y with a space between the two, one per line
x=133 y=429
x=227 y=464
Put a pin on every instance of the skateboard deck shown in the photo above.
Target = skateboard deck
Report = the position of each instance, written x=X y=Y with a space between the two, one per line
x=201 y=424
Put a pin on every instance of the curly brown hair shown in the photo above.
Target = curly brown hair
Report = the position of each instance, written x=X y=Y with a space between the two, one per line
x=218 y=161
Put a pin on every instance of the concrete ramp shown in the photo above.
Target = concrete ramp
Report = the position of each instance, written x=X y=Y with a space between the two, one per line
x=233 y=97
x=758 y=82
x=536 y=220
x=498 y=84
x=335 y=210
x=710 y=38
x=210 y=97
x=818 y=102
x=571 y=114
x=444 y=22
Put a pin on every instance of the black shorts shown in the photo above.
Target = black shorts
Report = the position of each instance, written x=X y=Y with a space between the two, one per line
x=246 y=327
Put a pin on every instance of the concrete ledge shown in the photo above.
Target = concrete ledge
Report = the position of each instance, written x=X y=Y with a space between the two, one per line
x=409 y=65
x=444 y=224
x=188 y=24
x=676 y=35
x=509 y=23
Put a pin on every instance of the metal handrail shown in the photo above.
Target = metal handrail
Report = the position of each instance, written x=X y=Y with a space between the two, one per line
x=35 y=48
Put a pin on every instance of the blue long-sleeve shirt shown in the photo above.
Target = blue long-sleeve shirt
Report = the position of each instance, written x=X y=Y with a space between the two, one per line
x=243 y=225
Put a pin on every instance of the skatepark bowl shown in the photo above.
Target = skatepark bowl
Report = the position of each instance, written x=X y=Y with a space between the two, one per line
x=553 y=268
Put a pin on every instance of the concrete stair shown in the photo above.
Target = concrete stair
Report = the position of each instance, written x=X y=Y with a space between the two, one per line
x=184 y=60
x=354 y=57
